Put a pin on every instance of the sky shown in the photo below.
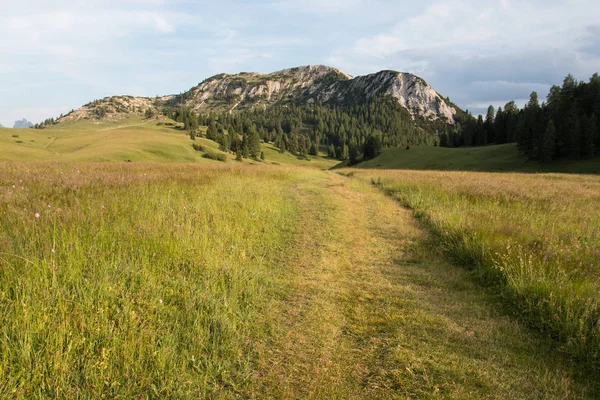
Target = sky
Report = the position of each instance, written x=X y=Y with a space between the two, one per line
x=58 y=55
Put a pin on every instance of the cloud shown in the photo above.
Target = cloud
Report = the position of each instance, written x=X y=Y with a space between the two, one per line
x=317 y=6
x=486 y=51
x=473 y=51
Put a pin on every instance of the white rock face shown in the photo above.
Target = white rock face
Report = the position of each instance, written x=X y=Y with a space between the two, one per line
x=256 y=89
x=302 y=85
x=411 y=92
x=318 y=83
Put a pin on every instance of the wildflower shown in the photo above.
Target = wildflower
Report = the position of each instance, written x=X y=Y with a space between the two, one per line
x=37 y=215
x=49 y=206
x=14 y=187
x=77 y=171
x=160 y=301
x=54 y=251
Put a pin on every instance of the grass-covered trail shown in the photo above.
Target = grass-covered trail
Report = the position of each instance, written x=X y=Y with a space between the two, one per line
x=130 y=280
x=376 y=312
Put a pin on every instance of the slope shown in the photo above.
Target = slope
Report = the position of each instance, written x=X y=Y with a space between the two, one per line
x=129 y=138
x=498 y=158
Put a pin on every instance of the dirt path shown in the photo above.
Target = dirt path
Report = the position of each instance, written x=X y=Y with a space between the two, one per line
x=376 y=312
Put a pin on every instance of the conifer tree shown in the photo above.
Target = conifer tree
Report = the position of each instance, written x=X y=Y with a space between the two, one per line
x=548 y=144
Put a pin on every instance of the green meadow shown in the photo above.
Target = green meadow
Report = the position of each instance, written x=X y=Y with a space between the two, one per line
x=129 y=139
x=178 y=276
x=493 y=158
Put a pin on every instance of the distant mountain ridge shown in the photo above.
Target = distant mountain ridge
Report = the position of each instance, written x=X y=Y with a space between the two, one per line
x=22 y=124
x=300 y=86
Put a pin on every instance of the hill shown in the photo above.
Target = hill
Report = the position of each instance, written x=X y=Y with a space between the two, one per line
x=130 y=138
x=316 y=84
x=499 y=158
x=298 y=86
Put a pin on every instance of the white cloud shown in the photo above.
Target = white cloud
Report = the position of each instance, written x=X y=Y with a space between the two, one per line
x=318 y=6
x=485 y=52
x=484 y=27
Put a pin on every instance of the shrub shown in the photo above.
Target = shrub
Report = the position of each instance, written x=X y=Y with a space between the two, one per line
x=198 y=147
x=215 y=156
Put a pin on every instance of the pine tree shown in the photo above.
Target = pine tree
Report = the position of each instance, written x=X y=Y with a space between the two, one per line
x=254 y=144
x=211 y=132
x=590 y=130
x=331 y=151
x=489 y=125
x=372 y=147
x=548 y=144
x=575 y=139
x=480 y=135
x=344 y=153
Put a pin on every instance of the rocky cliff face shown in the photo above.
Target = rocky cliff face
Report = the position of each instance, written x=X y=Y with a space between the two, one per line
x=411 y=92
x=316 y=83
x=248 y=90
x=301 y=85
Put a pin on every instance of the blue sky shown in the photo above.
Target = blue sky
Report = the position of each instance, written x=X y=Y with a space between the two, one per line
x=57 y=55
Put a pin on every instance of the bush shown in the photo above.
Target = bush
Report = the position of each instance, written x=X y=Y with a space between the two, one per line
x=198 y=147
x=215 y=156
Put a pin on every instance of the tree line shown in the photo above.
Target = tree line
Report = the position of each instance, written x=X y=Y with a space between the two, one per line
x=565 y=125
x=349 y=133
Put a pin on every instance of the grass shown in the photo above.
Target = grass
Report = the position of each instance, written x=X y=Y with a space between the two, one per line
x=374 y=311
x=499 y=158
x=538 y=236
x=135 y=280
x=154 y=280
x=131 y=138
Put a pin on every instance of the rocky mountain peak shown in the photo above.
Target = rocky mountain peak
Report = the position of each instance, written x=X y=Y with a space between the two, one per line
x=22 y=124
x=300 y=85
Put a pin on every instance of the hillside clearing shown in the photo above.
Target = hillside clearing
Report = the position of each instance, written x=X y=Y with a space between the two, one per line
x=496 y=158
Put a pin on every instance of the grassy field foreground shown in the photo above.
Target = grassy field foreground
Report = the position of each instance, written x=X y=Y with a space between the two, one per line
x=145 y=279
x=184 y=281
x=536 y=235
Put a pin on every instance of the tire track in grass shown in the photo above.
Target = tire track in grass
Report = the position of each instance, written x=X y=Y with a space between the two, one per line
x=374 y=311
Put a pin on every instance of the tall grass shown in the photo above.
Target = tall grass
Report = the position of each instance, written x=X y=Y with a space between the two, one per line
x=136 y=280
x=538 y=236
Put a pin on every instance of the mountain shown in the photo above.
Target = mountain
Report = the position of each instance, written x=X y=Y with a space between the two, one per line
x=316 y=83
x=1 y=126
x=300 y=86
x=22 y=124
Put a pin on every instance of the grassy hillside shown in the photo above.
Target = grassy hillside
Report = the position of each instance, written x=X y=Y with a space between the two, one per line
x=132 y=138
x=500 y=158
